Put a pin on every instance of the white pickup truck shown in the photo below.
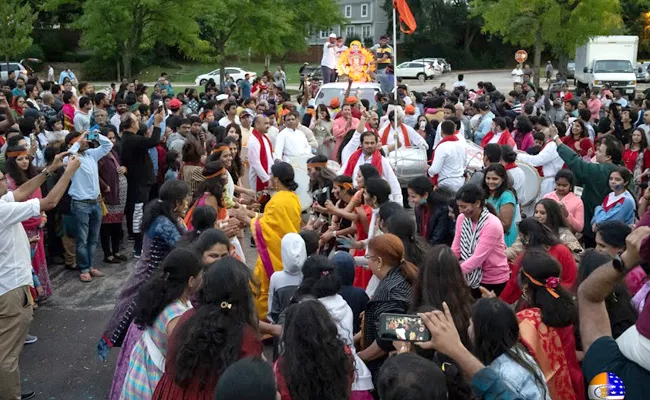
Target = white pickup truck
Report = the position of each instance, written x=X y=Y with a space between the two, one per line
x=607 y=60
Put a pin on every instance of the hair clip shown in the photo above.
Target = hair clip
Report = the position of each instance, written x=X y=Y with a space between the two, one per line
x=324 y=273
x=225 y=304
x=165 y=276
x=159 y=201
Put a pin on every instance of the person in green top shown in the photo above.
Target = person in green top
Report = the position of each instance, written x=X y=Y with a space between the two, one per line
x=594 y=177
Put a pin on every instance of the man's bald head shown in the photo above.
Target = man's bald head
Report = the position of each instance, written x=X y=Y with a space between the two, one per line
x=261 y=123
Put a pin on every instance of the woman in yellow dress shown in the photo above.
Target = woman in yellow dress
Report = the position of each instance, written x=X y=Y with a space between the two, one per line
x=281 y=216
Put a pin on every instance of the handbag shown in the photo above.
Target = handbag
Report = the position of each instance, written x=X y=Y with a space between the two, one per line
x=103 y=206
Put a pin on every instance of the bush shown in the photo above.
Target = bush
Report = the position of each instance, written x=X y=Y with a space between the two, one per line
x=99 y=69
x=34 y=51
x=351 y=39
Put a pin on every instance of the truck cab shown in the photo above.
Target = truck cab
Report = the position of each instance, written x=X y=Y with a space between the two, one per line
x=608 y=60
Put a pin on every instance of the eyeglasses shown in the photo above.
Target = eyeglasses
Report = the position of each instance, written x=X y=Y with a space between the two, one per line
x=369 y=257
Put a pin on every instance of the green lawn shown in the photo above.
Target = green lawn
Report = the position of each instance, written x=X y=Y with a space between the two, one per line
x=186 y=73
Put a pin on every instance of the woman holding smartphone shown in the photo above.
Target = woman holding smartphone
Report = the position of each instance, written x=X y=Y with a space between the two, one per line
x=385 y=257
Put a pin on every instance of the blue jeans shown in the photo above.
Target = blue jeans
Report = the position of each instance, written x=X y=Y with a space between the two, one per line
x=89 y=219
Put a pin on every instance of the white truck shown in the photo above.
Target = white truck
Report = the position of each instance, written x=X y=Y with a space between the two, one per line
x=607 y=60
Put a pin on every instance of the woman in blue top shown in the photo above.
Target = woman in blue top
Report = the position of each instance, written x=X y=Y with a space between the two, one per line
x=501 y=195
x=619 y=204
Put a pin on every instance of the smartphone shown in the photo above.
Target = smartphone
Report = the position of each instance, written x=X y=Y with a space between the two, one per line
x=160 y=106
x=408 y=328
x=93 y=134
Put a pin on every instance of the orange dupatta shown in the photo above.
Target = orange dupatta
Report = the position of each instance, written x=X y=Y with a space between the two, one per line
x=384 y=136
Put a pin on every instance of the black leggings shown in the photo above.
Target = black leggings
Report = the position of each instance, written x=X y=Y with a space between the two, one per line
x=110 y=234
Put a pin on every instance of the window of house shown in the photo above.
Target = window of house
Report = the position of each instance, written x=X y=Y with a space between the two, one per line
x=349 y=31
x=324 y=34
x=348 y=11
x=364 y=10
x=366 y=31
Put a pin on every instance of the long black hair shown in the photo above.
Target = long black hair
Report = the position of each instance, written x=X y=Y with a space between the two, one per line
x=171 y=194
x=421 y=185
x=237 y=165
x=203 y=218
x=285 y=174
x=214 y=185
x=325 y=175
x=554 y=217
x=471 y=193
x=440 y=280
x=211 y=339
x=537 y=234
x=368 y=171
x=496 y=332
x=175 y=271
x=18 y=175
x=541 y=266
x=314 y=362
x=320 y=278
x=618 y=303
x=209 y=238
x=402 y=225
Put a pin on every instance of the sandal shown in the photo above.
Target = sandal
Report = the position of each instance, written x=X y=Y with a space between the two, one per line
x=120 y=257
x=94 y=272
x=111 y=260
x=85 y=277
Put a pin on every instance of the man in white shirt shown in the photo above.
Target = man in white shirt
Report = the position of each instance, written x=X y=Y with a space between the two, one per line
x=387 y=133
x=448 y=164
x=290 y=142
x=16 y=266
x=82 y=116
x=231 y=115
x=328 y=62
x=460 y=84
x=369 y=154
x=549 y=160
x=260 y=154
x=517 y=75
x=120 y=108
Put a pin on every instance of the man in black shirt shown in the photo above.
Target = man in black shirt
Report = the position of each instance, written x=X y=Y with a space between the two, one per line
x=140 y=177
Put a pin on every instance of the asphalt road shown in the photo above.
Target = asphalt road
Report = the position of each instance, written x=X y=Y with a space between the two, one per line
x=63 y=363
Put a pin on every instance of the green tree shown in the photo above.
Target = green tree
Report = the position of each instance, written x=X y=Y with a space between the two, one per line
x=560 y=25
x=237 y=27
x=126 y=28
x=16 y=25
x=636 y=21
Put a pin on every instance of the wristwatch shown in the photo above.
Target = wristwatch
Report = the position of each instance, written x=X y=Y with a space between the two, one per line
x=618 y=264
x=46 y=172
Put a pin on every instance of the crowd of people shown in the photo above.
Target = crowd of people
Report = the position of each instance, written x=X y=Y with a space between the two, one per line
x=522 y=300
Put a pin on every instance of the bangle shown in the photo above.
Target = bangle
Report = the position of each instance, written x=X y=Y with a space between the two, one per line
x=256 y=215
x=555 y=137
x=334 y=233
x=46 y=172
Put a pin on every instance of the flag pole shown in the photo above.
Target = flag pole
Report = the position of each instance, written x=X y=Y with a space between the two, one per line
x=395 y=78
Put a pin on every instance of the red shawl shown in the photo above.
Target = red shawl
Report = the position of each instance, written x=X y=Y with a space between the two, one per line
x=510 y=166
x=354 y=159
x=448 y=138
x=264 y=160
x=505 y=138
x=607 y=207
x=540 y=169
x=384 y=136
x=369 y=129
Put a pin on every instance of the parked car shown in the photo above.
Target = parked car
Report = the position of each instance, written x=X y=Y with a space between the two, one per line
x=642 y=73
x=236 y=73
x=313 y=72
x=362 y=90
x=420 y=70
x=18 y=67
x=439 y=64
x=571 y=69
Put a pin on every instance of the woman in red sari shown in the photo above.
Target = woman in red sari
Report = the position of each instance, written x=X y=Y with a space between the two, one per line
x=637 y=159
x=546 y=326
x=19 y=170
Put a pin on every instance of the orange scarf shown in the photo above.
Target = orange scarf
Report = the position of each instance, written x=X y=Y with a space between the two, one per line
x=384 y=136
x=505 y=138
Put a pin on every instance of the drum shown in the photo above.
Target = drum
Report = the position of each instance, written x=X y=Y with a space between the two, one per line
x=474 y=160
x=408 y=163
x=299 y=165
x=532 y=184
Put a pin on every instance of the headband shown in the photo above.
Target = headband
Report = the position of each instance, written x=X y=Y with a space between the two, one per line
x=344 y=185
x=220 y=149
x=16 y=154
x=317 y=164
x=221 y=171
x=75 y=139
x=550 y=285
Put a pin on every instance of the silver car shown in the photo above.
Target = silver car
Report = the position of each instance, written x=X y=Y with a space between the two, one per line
x=571 y=69
x=642 y=73
x=17 y=67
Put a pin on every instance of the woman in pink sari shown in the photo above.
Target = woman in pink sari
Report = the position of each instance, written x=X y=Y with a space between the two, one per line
x=19 y=170
x=69 y=108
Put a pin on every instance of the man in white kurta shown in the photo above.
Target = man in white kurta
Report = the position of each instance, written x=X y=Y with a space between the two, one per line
x=291 y=142
x=369 y=144
x=255 y=148
x=550 y=162
x=449 y=158
x=387 y=134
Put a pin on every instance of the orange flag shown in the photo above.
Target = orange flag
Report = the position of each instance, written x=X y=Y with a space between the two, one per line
x=405 y=17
